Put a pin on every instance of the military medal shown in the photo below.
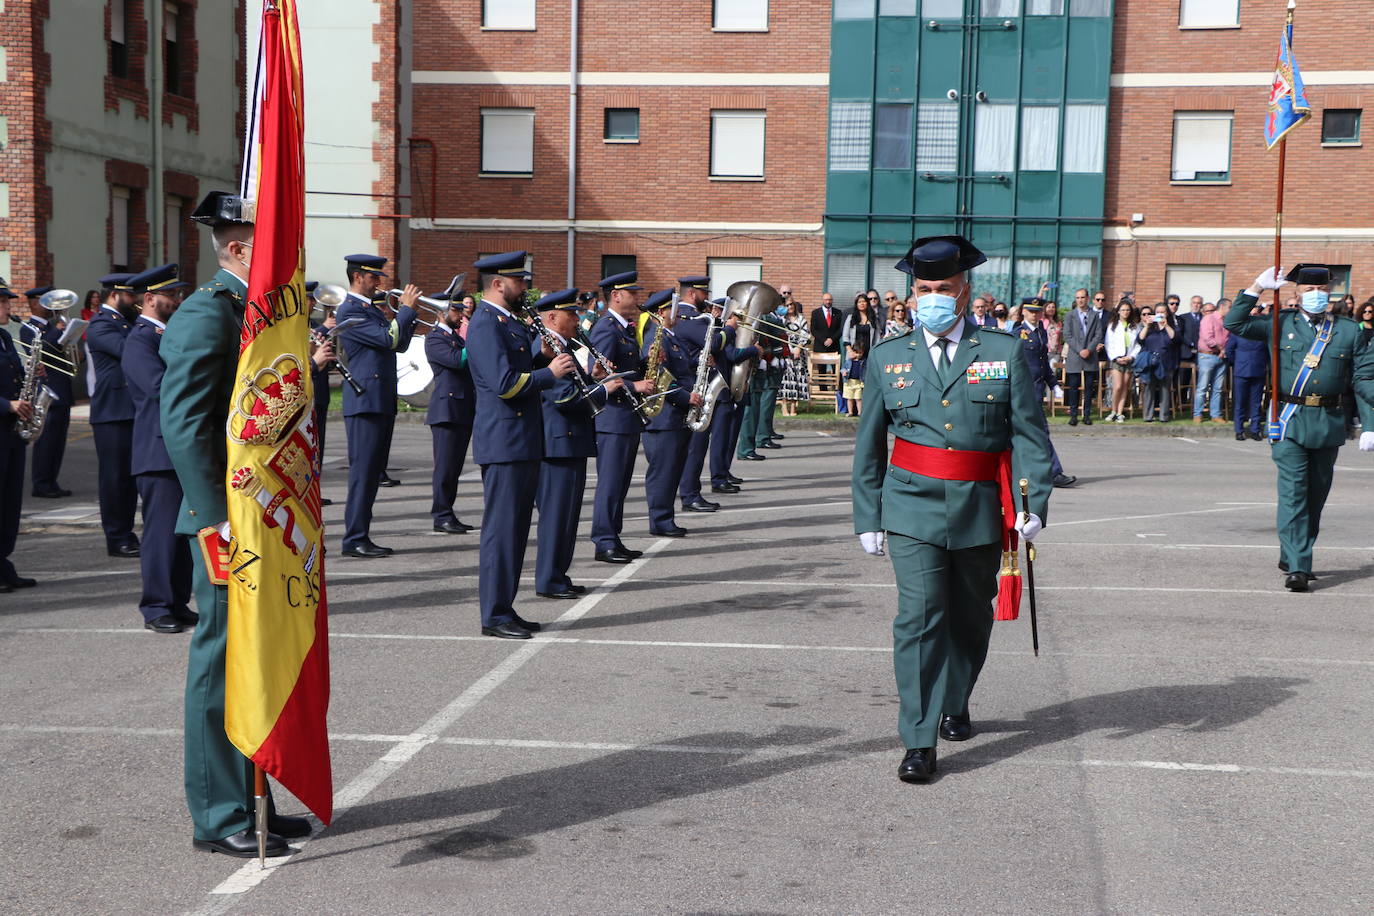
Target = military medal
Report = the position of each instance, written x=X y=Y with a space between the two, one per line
x=1311 y=360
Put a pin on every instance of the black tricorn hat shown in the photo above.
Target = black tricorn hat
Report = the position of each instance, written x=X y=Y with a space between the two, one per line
x=939 y=257
x=1310 y=274
x=220 y=208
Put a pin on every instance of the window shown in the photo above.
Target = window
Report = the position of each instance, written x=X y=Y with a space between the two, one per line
x=1039 y=138
x=942 y=9
x=1189 y=280
x=737 y=144
x=1208 y=14
x=994 y=138
x=724 y=271
x=173 y=229
x=850 y=129
x=1090 y=7
x=1341 y=125
x=1077 y=273
x=1340 y=280
x=119 y=39
x=886 y=277
x=892 y=137
x=1202 y=146
x=1001 y=8
x=896 y=7
x=844 y=276
x=612 y=264
x=508 y=14
x=622 y=125
x=937 y=136
x=171 y=59
x=853 y=9
x=119 y=227
x=1044 y=7
x=992 y=278
x=740 y=16
x=1030 y=273
x=508 y=141
x=1085 y=135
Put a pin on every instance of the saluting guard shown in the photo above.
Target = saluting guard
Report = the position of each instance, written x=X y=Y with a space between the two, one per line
x=452 y=405
x=667 y=438
x=959 y=402
x=51 y=445
x=166 y=555
x=12 y=411
x=570 y=407
x=370 y=417
x=112 y=415
x=1318 y=355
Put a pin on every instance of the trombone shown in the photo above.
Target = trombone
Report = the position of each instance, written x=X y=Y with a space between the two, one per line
x=758 y=324
x=48 y=359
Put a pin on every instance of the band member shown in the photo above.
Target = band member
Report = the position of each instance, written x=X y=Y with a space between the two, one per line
x=112 y=415
x=48 y=451
x=618 y=427
x=370 y=348
x=451 y=408
x=166 y=555
x=1035 y=346
x=569 y=440
x=764 y=382
x=728 y=416
x=321 y=362
x=667 y=438
x=959 y=400
x=12 y=410
x=507 y=435
x=200 y=349
x=691 y=303
x=1317 y=353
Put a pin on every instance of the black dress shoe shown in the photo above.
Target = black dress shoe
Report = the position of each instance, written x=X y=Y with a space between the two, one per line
x=527 y=624
x=453 y=527
x=20 y=582
x=751 y=456
x=675 y=532
x=578 y=589
x=387 y=480
x=5 y=588
x=612 y=556
x=244 y=845
x=769 y=444
x=326 y=501
x=368 y=551
x=1087 y=420
x=632 y=554
x=508 y=630
x=918 y=765
x=287 y=827
x=724 y=488
x=164 y=624
x=1296 y=582
x=1073 y=421
x=52 y=494
x=124 y=551
x=1258 y=437
x=701 y=505
x=565 y=593
x=956 y=728
x=1240 y=437
x=734 y=480
x=1064 y=480
x=776 y=436
x=187 y=617
x=1283 y=565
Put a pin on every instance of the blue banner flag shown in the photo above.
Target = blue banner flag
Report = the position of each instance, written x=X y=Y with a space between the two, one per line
x=1288 y=106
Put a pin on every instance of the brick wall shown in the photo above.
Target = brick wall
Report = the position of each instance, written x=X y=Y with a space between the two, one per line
x=133 y=87
x=384 y=113
x=184 y=102
x=23 y=162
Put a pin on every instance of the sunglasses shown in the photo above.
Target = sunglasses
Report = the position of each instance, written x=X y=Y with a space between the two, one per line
x=1100 y=299
x=872 y=298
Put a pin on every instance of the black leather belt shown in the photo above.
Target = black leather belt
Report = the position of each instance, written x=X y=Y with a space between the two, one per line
x=1313 y=400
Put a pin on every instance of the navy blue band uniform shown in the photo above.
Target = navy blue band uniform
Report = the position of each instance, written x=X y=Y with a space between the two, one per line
x=12 y=449
x=51 y=445
x=452 y=406
x=112 y=424
x=618 y=428
x=667 y=438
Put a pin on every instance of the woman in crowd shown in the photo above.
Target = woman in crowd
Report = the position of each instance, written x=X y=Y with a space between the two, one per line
x=796 y=367
x=861 y=331
x=1365 y=316
x=1123 y=343
x=898 y=319
x=1157 y=361
x=1054 y=332
x=91 y=305
x=999 y=312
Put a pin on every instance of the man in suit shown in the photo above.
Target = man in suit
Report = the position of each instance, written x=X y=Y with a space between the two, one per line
x=1318 y=356
x=1249 y=362
x=507 y=434
x=960 y=403
x=112 y=415
x=51 y=445
x=12 y=410
x=1189 y=330
x=667 y=439
x=370 y=348
x=1084 y=334
x=980 y=314
x=1035 y=347
x=827 y=326
x=200 y=349
x=166 y=555
x=451 y=408
x=618 y=427
x=569 y=409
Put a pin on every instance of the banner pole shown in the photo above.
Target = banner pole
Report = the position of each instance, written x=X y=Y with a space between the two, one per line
x=260 y=812
x=1278 y=256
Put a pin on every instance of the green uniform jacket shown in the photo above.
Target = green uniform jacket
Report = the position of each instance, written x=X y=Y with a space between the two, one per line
x=1310 y=427
x=987 y=415
x=201 y=350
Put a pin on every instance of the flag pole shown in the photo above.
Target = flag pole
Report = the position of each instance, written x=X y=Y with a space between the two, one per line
x=260 y=812
x=1278 y=257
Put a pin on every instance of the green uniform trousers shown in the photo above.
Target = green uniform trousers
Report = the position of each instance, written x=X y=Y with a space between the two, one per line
x=940 y=637
x=769 y=397
x=219 y=779
x=1304 y=481
x=749 y=426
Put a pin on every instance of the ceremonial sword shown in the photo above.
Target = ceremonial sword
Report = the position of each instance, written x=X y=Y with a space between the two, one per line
x=1030 y=569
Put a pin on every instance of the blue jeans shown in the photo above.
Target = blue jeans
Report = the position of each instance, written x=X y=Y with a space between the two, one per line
x=1210 y=372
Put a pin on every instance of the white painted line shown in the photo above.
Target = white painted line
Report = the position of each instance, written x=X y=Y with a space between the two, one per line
x=1218 y=768
x=1132 y=518
x=1186 y=439
x=725 y=510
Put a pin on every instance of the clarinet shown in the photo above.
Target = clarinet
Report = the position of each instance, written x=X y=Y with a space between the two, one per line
x=557 y=346
x=322 y=338
x=628 y=393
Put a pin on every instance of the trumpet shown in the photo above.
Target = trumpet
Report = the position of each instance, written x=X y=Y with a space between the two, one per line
x=437 y=307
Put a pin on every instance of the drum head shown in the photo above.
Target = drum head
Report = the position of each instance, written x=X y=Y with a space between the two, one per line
x=414 y=377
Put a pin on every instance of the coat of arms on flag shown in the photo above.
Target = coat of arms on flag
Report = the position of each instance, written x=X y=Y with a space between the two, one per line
x=1288 y=106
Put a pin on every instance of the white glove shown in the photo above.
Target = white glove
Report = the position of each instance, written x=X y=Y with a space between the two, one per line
x=1270 y=279
x=873 y=541
x=1058 y=391
x=1028 y=525
x=223 y=529
x=1367 y=442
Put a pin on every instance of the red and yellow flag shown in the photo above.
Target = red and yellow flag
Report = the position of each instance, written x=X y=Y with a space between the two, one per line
x=277 y=669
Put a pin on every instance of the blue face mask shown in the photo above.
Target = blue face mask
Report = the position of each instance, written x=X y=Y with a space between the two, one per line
x=936 y=312
x=780 y=311
x=1314 y=301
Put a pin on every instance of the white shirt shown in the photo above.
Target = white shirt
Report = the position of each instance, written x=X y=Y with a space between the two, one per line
x=953 y=337
x=154 y=322
x=499 y=308
x=616 y=315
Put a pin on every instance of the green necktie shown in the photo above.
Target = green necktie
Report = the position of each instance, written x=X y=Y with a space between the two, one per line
x=944 y=354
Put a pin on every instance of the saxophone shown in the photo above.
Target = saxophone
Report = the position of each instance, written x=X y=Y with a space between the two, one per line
x=699 y=416
x=655 y=370
x=38 y=395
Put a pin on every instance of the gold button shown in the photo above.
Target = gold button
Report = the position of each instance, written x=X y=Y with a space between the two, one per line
x=190 y=511
x=519 y=413
x=949 y=426
x=944 y=403
x=989 y=397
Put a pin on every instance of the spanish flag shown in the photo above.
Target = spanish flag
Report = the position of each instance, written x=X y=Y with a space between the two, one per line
x=277 y=669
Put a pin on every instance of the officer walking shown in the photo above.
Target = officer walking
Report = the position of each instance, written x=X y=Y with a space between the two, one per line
x=51 y=445
x=166 y=555
x=370 y=348
x=12 y=410
x=1317 y=355
x=666 y=438
x=507 y=435
x=959 y=401
x=1035 y=344
x=112 y=415
x=452 y=405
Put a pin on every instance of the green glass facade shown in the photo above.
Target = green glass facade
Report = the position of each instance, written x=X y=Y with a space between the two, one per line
x=982 y=117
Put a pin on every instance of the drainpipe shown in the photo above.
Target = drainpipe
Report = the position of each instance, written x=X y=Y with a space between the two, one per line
x=156 y=205
x=572 y=140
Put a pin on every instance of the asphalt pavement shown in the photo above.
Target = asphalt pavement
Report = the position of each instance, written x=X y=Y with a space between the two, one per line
x=711 y=729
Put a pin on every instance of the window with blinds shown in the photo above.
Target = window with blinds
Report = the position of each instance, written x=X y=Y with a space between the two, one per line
x=1202 y=146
